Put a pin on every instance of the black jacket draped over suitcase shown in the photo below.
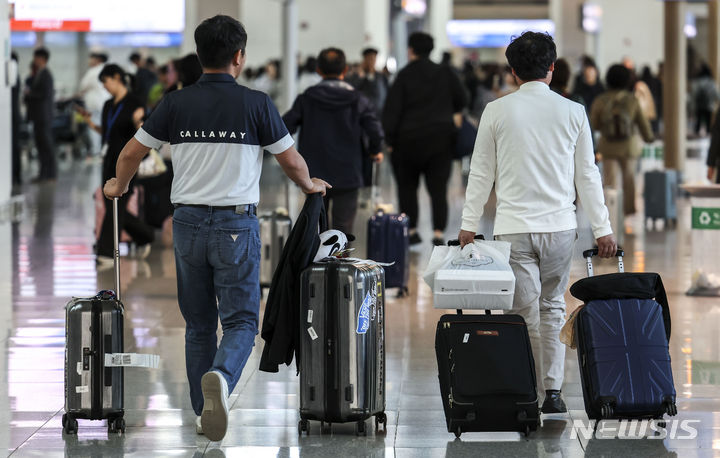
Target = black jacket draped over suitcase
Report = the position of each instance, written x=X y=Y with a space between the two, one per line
x=281 y=323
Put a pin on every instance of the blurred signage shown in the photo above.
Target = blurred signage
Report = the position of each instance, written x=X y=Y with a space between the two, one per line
x=591 y=17
x=706 y=218
x=493 y=33
x=98 y=15
x=414 y=7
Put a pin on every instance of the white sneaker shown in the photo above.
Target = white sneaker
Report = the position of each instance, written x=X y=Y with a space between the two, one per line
x=214 y=418
x=104 y=263
x=198 y=426
x=142 y=251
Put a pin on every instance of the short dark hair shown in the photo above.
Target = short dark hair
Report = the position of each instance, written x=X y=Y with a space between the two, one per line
x=421 y=43
x=188 y=69
x=618 y=77
x=218 y=39
x=331 y=61
x=112 y=70
x=134 y=57
x=531 y=55
x=367 y=51
x=561 y=75
x=42 y=52
x=150 y=61
x=101 y=56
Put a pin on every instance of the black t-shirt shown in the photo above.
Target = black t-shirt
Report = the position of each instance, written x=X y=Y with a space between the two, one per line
x=117 y=129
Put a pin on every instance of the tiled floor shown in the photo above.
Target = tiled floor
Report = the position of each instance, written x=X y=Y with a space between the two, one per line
x=47 y=258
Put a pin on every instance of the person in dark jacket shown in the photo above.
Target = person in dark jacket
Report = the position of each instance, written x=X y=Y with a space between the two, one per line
x=420 y=131
x=16 y=120
x=281 y=321
x=587 y=83
x=713 y=157
x=371 y=83
x=333 y=119
x=39 y=99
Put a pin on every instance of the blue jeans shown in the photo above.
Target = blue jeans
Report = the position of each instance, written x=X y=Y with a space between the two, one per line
x=217 y=255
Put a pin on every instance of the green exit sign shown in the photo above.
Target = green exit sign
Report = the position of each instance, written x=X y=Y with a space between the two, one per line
x=706 y=218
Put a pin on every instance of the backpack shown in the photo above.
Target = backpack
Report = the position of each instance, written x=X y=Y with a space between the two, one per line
x=615 y=122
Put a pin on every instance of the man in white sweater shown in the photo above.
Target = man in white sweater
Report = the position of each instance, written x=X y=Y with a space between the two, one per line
x=535 y=146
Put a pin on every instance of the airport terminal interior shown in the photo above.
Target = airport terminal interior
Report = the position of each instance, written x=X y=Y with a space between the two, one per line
x=49 y=222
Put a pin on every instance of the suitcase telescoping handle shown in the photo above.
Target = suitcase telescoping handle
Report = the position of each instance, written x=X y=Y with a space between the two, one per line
x=374 y=186
x=456 y=242
x=116 y=247
x=588 y=255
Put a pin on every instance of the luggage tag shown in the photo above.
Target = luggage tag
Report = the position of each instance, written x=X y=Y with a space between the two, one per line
x=132 y=360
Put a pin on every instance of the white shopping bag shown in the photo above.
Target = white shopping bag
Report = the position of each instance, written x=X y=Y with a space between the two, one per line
x=478 y=276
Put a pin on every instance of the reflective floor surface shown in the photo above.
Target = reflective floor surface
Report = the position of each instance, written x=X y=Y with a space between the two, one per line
x=47 y=258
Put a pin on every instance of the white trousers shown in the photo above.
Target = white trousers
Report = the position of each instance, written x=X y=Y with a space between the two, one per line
x=541 y=264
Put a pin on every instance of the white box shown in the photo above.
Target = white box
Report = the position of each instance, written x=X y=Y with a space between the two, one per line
x=474 y=289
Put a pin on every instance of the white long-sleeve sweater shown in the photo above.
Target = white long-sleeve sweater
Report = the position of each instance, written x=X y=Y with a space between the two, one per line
x=535 y=146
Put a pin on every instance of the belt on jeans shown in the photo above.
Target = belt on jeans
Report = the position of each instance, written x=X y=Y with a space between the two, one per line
x=250 y=209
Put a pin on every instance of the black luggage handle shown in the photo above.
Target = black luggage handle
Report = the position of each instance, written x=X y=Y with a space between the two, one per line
x=594 y=252
x=456 y=242
x=588 y=255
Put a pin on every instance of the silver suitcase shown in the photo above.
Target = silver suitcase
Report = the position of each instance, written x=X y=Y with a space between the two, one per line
x=342 y=344
x=274 y=232
x=94 y=327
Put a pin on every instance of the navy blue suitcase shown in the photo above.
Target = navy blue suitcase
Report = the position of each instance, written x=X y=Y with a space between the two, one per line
x=389 y=242
x=623 y=351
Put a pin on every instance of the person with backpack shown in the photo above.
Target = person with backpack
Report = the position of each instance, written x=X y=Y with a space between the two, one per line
x=617 y=114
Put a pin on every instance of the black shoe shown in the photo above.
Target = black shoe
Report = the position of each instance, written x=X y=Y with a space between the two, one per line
x=437 y=241
x=415 y=239
x=553 y=402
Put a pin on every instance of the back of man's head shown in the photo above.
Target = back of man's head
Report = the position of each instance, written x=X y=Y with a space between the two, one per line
x=218 y=39
x=531 y=55
x=618 y=77
x=421 y=43
x=134 y=58
x=331 y=62
x=42 y=53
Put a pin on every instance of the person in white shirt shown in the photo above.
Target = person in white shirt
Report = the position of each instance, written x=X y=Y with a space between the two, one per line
x=94 y=95
x=535 y=147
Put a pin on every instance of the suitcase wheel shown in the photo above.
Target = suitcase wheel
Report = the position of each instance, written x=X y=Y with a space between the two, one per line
x=116 y=425
x=70 y=425
x=360 y=428
x=381 y=419
x=458 y=432
x=403 y=292
x=671 y=409
x=606 y=411
x=303 y=427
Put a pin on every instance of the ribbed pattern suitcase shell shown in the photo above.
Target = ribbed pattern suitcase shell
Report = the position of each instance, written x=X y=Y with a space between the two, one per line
x=93 y=327
x=274 y=232
x=342 y=342
x=624 y=358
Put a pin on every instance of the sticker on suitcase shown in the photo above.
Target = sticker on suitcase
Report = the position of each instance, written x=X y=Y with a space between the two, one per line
x=363 y=321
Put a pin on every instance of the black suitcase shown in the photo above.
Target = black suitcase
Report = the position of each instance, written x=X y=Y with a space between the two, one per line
x=94 y=327
x=342 y=344
x=487 y=373
x=622 y=337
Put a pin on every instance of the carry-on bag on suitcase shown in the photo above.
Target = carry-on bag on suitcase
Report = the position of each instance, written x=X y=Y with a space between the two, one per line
x=342 y=344
x=274 y=232
x=389 y=242
x=622 y=335
x=487 y=373
x=93 y=328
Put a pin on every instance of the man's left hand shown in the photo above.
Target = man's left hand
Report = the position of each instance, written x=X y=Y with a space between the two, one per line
x=113 y=188
x=378 y=158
